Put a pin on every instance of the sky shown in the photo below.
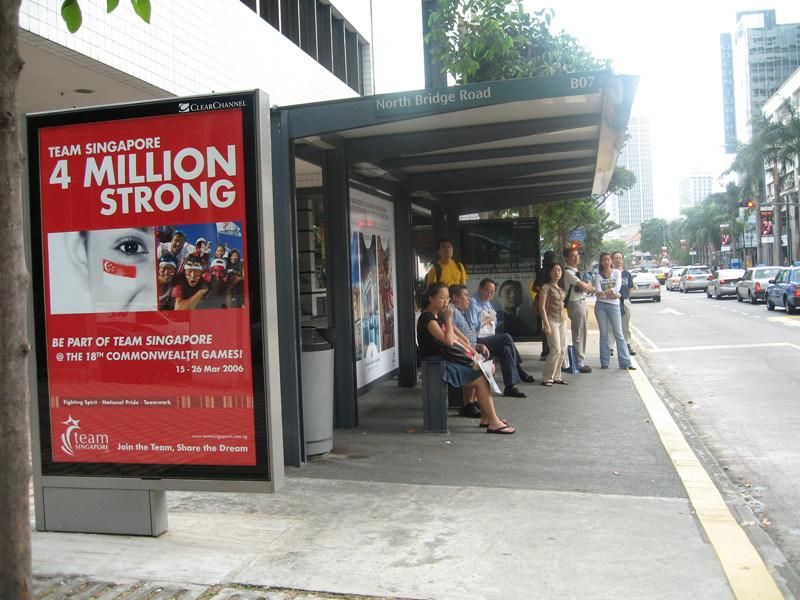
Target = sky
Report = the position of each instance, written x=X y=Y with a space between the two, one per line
x=673 y=48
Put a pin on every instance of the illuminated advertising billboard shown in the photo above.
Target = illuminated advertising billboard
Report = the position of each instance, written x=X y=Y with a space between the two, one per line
x=146 y=290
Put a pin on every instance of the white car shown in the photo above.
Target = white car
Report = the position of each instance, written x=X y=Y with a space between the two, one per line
x=723 y=283
x=645 y=287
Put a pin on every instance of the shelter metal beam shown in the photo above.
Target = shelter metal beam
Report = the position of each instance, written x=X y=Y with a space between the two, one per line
x=465 y=178
x=382 y=147
x=495 y=153
x=501 y=199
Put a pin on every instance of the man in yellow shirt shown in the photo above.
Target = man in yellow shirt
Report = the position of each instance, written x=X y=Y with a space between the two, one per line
x=448 y=270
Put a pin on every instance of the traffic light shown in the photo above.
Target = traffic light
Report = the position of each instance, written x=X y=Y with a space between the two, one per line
x=575 y=245
x=747 y=203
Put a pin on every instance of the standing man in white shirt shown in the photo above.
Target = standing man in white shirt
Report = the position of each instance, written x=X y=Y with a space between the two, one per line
x=576 y=291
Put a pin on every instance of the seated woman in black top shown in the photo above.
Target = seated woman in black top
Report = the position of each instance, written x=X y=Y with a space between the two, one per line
x=434 y=329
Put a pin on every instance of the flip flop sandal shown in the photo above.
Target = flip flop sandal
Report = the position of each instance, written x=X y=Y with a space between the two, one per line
x=547 y=383
x=561 y=382
x=486 y=425
x=504 y=430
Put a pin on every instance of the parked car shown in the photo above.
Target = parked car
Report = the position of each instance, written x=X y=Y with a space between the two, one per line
x=674 y=278
x=695 y=277
x=645 y=287
x=784 y=290
x=723 y=283
x=753 y=285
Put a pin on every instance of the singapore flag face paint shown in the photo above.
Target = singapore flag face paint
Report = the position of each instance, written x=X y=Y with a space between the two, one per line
x=119 y=275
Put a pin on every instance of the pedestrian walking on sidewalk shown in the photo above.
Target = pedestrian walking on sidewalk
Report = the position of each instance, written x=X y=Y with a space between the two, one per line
x=607 y=285
x=554 y=325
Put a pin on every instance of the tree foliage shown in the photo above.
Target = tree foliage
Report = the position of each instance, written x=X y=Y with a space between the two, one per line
x=489 y=40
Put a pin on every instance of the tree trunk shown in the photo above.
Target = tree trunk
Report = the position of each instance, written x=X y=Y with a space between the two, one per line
x=15 y=543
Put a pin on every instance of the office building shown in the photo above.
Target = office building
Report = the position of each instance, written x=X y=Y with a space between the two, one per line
x=763 y=54
x=636 y=204
x=694 y=189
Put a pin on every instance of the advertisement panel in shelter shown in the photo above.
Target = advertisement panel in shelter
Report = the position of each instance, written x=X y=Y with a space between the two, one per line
x=506 y=251
x=146 y=270
x=373 y=291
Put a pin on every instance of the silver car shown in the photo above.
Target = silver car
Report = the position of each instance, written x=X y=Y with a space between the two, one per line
x=724 y=283
x=674 y=278
x=695 y=277
x=645 y=287
x=753 y=285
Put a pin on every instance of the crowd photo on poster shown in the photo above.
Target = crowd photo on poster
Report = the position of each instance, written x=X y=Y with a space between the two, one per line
x=169 y=267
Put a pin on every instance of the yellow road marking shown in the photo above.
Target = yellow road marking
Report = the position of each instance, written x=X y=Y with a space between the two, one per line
x=746 y=572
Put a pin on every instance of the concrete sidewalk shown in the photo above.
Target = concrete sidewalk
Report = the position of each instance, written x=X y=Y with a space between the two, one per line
x=582 y=502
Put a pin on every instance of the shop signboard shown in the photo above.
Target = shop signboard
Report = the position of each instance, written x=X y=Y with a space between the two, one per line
x=147 y=288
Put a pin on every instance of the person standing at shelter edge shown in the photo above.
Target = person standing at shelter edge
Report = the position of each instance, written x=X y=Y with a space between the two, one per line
x=618 y=261
x=578 y=313
x=447 y=270
x=551 y=308
x=607 y=284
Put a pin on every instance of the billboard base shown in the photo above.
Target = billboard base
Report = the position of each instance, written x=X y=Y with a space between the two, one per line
x=122 y=512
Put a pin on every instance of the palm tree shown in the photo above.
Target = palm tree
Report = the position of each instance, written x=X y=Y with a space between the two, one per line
x=789 y=135
x=765 y=147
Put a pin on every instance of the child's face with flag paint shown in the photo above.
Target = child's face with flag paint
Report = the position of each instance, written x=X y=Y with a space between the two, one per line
x=120 y=267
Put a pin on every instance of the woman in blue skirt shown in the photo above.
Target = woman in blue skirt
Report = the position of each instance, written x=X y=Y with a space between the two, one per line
x=435 y=329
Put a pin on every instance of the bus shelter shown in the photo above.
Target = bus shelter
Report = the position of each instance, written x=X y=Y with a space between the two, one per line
x=442 y=152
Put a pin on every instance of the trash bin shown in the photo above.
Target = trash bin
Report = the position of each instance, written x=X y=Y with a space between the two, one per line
x=317 y=365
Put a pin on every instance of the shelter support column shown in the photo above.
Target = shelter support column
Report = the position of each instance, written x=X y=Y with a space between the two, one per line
x=340 y=286
x=407 y=375
x=288 y=300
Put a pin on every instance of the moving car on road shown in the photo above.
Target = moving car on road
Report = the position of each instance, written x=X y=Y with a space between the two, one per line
x=753 y=285
x=784 y=290
x=674 y=278
x=724 y=283
x=695 y=277
x=645 y=287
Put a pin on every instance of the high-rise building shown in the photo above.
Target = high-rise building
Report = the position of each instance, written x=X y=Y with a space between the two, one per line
x=694 y=189
x=636 y=204
x=763 y=55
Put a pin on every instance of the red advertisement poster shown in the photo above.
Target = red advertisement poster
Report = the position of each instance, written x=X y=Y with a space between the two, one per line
x=147 y=310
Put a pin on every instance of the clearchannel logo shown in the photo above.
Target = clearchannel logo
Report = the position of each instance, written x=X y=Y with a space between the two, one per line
x=188 y=107
x=74 y=439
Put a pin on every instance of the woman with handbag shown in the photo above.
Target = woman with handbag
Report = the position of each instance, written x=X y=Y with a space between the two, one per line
x=554 y=325
x=436 y=336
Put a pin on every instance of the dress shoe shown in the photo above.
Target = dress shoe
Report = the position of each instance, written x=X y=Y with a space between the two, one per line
x=566 y=370
x=584 y=369
x=526 y=378
x=631 y=351
x=513 y=392
x=470 y=410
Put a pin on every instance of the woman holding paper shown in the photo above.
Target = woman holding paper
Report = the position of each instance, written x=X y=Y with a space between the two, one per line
x=435 y=329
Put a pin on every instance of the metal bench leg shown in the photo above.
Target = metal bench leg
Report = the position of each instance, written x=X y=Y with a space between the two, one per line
x=434 y=398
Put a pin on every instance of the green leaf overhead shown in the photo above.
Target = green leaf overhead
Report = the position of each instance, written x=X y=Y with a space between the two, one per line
x=142 y=8
x=111 y=5
x=71 y=13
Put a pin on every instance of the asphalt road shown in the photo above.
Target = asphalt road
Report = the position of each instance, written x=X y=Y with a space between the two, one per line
x=731 y=372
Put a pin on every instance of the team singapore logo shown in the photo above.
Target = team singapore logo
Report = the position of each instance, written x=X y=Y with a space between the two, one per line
x=186 y=107
x=73 y=439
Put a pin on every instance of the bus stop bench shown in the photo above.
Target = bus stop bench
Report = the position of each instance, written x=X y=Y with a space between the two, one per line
x=437 y=397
